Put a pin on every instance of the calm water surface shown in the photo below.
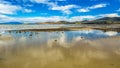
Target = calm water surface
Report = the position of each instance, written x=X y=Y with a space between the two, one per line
x=59 y=49
x=64 y=36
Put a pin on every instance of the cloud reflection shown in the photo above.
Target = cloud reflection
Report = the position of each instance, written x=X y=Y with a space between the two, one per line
x=58 y=48
x=111 y=33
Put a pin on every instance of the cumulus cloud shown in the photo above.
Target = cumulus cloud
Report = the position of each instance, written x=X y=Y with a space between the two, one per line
x=41 y=19
x=110 y=15
x=8 y=9
x=28 y=10
x=98 y=6
x=87 y=9
x=64 y=9
x=4 y=18
x=80 y=18
x=39 y=1
x=84 y=10
x=54 y=6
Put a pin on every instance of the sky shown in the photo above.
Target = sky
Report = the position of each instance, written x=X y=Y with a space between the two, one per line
x=33 y=11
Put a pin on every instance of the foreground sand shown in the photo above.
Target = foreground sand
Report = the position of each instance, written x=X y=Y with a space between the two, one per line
x=101 y=53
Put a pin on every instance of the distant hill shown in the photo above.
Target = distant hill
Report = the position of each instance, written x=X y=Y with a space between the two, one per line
x=59 y=22
x=105 y=20
x=13 y=23
x=109 y=18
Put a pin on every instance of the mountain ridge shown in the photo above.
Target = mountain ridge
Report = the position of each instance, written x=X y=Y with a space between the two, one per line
x=104 y=20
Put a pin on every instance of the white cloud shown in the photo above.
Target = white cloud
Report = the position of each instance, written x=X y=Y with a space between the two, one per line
x=54 y=19
x=54 y=6
x=111 y=33
x=118 y=10
x=41 y=19
x=65 y=9
x=110 y=15
x=28 y=10
x=81 y=18
x=4 y=18
x=83 y=10
x=98 y=6
x=8 y=9
x=61 y=0
x=87 y=9
x=39 y=1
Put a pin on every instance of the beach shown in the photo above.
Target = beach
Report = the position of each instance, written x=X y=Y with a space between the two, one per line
x=42 y=48
x=103 y=53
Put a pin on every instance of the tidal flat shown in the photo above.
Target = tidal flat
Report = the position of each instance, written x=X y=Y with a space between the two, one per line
x=78 y=48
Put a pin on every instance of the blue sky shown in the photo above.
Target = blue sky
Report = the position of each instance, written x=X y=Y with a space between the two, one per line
x=32 y=11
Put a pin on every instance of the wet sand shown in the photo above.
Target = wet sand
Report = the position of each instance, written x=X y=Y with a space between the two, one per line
x=100 y=53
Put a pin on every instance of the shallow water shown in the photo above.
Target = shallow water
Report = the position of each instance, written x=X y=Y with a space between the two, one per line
x=59 y=49
x=42 y=37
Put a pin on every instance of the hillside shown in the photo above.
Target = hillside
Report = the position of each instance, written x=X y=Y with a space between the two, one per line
x=109 y=18
x=105 y=20
x=13 y=23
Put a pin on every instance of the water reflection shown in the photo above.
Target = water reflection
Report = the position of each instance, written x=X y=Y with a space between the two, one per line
x=60 y=36
x=59 y=49
x=111 y=33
